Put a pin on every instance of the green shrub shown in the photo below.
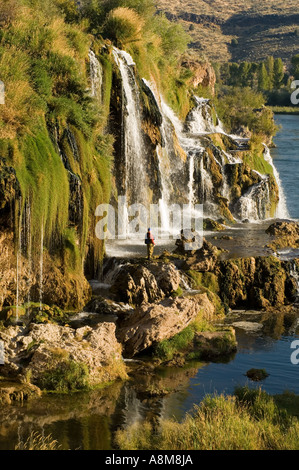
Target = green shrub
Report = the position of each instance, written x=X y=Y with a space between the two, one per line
x=66 y=376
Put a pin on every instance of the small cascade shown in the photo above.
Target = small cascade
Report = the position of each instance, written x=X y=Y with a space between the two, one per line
x=41 y=266
x=200 y=119
x=295 y=275
x=255 y=204
x=133 y=145
x=19 y=271
x=29 y=246
x=206 y=183
x=164 y=201
x=281 y=210
x=96 y=76
x=191 y=180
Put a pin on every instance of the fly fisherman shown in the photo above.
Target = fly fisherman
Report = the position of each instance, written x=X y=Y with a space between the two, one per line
x=150 y=242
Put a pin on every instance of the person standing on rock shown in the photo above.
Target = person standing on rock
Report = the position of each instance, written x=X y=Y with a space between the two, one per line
x=150 y=242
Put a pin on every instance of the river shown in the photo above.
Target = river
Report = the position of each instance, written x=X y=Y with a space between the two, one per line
x=87 y=420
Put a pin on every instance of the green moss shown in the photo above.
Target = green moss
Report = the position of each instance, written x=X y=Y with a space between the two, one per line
x=205 y=279
x=167 y=348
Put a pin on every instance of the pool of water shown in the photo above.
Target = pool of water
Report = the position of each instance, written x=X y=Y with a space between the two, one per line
x=88 y=420
x=286 y=159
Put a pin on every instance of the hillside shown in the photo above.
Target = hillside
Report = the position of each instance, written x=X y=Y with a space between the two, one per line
x=260 y=28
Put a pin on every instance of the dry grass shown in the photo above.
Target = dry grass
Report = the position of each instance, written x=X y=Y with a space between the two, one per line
x=216 y=26
x=37 y=441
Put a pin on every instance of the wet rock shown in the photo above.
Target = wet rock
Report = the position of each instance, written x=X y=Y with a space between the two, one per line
x=257 y=374
x=214 y=345
x=151 y=324
x=253 y=282
x=249 y=326
x=136 y=283
x=203 y=259
x=13 y=391
x=213 y=225
x=285 y=234
x=167 y=276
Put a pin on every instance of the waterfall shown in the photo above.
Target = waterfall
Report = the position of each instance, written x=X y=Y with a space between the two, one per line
x=281 y=209
x=191 y=179
x=41 y=266
x=255 y=204
x=29 y=246
x=134 y=149
x=295 y=275
x=96 y=76
x=200 y=119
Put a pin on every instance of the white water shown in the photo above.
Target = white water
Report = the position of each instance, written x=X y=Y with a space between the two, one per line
x=281 y=210
x=96 y=76
x=134 y=149
x=41 y=266
x=200 y=119
x=295 y=274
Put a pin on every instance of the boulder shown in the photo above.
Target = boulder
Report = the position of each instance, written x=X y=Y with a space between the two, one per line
x=44 y=347
x=216 y=344
x=203 y=259
x=151 y=324
x=12 y=391
x=285 y=234
x=135 y=283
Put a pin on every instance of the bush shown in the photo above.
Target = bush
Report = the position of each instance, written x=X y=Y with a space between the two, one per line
x=66 y=376
x=123 y=26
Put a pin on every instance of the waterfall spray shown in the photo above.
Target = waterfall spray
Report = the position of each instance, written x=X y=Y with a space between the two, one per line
x=134 y=149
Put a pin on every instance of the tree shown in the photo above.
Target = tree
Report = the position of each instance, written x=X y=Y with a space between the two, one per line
x=263 y=78
x=278 y=73
x=295 y=66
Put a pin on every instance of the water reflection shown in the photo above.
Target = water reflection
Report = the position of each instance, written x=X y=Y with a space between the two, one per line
x=88 y=421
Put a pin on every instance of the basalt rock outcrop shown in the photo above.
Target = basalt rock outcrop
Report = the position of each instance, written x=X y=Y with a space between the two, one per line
x=283 y=234
x=260 y=282
x=135 y=283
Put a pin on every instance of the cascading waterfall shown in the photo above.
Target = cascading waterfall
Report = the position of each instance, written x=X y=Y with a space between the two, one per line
x=200 y=119
x=281 y=209
x=255 y=204
x=295 y=275
x=19 y=259
x=134 y=149
x=96 y=76
x=41 y=266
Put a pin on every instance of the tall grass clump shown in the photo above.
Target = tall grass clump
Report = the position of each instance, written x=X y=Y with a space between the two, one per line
x=250 y=420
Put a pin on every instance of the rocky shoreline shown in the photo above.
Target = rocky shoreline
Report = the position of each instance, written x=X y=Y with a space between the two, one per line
x=166 y=309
